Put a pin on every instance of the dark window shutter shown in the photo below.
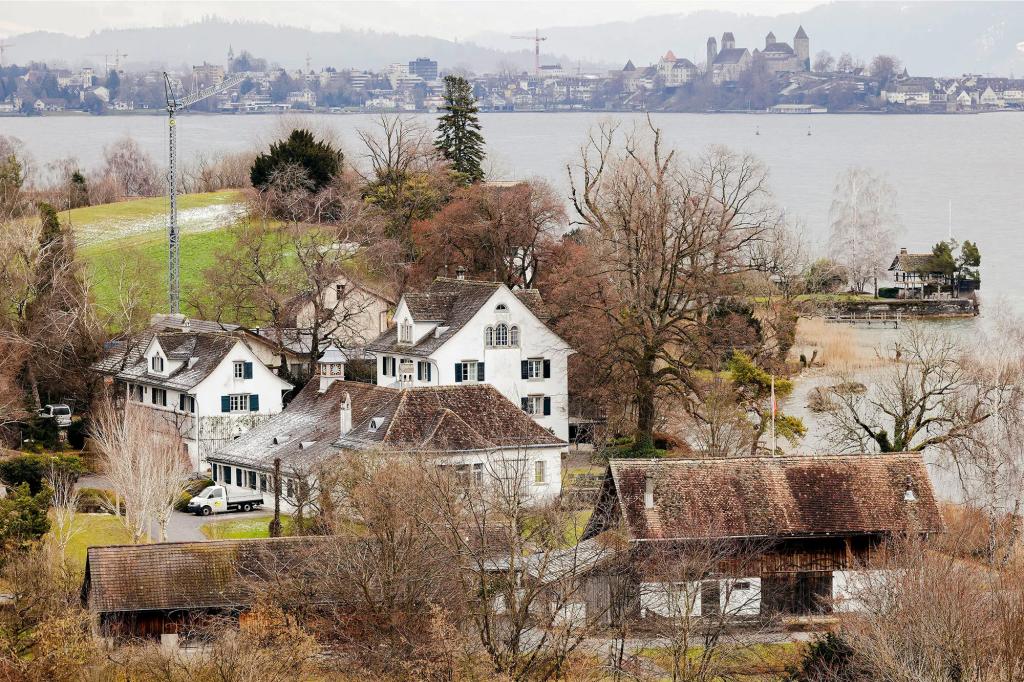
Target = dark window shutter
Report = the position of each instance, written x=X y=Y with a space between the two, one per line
x=213 y=471
x=524 y=368
x=428 y=371
x=419 y=371
x=547 y=369
x=247 y=370
x=181 y=402
x=547 y=406
x=479 y=371
x=225 y=403
x=384 y=365
x=254 y=403
x=458 y=372
x=524 y=401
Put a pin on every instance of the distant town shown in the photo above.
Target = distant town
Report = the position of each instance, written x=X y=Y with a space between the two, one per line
x=774 y=76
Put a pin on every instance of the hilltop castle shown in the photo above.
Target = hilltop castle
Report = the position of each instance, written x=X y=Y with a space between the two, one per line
x=726 y=65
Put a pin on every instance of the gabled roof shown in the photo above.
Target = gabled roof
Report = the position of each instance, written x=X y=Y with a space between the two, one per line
x=768 y=497
x=449 y=303
x=629 y=66
x=190 y=575
x=778 y=48
x=911 y=262
x=731 y=56
x=199 y=352
x=440 y=419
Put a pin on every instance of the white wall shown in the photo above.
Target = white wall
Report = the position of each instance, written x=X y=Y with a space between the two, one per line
x=846 y=584
x=502 y=368
x=683 y=599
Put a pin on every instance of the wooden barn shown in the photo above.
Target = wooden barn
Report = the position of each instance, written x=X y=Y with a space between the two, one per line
x=174 y=588
x=752 y=537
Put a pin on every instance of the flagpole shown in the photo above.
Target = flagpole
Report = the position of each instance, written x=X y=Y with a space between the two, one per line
x=774 y=442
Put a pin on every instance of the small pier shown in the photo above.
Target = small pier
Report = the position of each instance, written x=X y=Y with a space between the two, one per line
x=881 y=320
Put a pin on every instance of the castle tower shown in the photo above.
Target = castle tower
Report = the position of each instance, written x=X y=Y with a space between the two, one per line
x=728 y=41
x=231 y=58
x=712 y=53
x=802 y=47
x=769 y=40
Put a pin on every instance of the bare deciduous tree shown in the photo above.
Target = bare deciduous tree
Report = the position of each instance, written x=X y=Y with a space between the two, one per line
x=864 y=223
x=143 y=458
x=670 y=236
x=132 y=169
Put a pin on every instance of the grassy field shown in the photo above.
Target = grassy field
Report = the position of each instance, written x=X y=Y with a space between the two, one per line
x=127 y=240
x=94 y=530
x=242 y=529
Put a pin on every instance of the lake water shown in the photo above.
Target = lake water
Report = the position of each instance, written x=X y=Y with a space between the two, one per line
x=975 y=162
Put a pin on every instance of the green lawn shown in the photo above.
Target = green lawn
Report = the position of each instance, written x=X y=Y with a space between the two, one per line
x=92 y=530
x=242 y=529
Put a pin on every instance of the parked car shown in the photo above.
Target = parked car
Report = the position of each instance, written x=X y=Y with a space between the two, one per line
x=60 y=412
x=216 y=499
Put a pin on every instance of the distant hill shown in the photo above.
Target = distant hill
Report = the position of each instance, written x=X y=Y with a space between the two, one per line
x=287 y=46
x=931 y=38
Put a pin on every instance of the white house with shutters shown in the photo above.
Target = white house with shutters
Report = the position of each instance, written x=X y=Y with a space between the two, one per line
x=462 y=331
x=210 y=386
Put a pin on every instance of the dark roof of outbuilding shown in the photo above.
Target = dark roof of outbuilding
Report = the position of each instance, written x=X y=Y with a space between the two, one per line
x=450 y=303
x=430 y=420
x=772 y=497
x=127 y=362
x=190 y=575
x=731 y=56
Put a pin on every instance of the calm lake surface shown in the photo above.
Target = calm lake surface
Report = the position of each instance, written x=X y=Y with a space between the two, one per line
x=975 y=162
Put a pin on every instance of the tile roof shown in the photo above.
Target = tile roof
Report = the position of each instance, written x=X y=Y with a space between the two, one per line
x=731 y=55
x=189 y=575
x=912 y=262
x=439 y=419
x=773 y=496
x=450 y=303
x=778 y=48
x=127 y=362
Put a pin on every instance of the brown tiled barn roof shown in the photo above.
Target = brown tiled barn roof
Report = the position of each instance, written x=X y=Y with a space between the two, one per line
x=912 y=262
x=773 y=496
x=189 y=575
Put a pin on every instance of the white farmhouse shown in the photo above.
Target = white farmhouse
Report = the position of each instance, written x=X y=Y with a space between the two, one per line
x=485 y=439
x=461 y=332
x=210 y=386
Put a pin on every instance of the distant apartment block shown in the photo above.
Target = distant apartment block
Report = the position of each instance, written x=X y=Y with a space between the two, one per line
x=425 y=68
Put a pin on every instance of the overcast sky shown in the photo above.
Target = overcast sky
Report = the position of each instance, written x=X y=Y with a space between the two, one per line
x=453 y=19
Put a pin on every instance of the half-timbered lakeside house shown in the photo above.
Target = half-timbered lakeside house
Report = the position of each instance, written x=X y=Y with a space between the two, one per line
x=754 y=536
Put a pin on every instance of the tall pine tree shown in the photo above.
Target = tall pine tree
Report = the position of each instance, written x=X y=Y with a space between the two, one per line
x=458 y=132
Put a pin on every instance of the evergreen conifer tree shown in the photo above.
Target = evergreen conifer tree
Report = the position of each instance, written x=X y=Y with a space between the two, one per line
x=458 y=132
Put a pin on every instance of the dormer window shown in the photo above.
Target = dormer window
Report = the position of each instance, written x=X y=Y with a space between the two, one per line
x=339 y=291
x=157 y=363
x=649 y=492
x=405 y=332
x=376 y=423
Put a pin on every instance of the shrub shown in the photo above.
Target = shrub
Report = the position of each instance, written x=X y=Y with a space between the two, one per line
x=193 y=488
x=32 y=469
x=888 y=292
x=96 y=501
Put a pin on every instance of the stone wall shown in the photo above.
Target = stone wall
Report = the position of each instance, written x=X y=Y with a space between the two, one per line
x=910 y=308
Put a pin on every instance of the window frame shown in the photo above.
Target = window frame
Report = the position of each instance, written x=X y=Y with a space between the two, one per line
x=540 y=472
x=242 y=397
x=238 y=370
x=535 y=405
x=156 y=359
x=513 y=336
x=530 y=363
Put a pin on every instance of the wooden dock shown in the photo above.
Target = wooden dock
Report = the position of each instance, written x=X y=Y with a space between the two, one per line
x=881 y=320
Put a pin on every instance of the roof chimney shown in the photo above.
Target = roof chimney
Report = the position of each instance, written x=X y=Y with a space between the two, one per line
x=345 y=415
x=460 y=272
x=903 y=251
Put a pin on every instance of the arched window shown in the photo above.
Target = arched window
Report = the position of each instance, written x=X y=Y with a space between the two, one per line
x=501 y=308
x=489 y=336
x=513 y=336
x=501 y=335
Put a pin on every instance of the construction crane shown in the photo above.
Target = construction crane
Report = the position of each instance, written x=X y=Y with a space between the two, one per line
x=537 y=38
x=3 y=52
x=173 y=105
